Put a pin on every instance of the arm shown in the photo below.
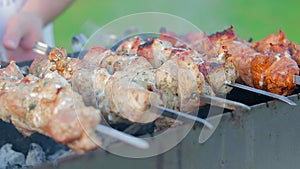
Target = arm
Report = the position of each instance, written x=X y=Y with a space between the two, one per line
x=47 y=10
x=25 y=27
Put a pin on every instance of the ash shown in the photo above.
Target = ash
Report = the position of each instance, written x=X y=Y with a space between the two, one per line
x=36 y=156
x=10 y=159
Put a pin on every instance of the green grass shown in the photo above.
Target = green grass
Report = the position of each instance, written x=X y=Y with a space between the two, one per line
x=255 y=18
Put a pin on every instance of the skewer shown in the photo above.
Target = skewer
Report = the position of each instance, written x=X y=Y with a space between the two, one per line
x=220 y=102
x=297 y=79
x=215 y=100
x=126 y=138
x=174 y=114
x=44 y=49
x=273 y=95
x=279 y=97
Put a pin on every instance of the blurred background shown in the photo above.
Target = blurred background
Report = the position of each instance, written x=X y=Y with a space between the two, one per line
x=252 y=19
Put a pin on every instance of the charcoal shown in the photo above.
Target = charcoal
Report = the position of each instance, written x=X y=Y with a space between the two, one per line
x=22 y=144
x=35 y=156
x=10 y=159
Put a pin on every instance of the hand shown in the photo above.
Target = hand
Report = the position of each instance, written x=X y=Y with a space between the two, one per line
x=22 y=31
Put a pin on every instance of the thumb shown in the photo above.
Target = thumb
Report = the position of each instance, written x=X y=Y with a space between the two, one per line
x=13 y=34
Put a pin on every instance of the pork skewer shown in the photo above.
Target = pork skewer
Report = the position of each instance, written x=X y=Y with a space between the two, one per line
x=268 y=71
x=86 y=72
x=158 y=51
x=220 y=42
x=132 y=47
x=251 y=64
x=117 y=62
x=47 y=106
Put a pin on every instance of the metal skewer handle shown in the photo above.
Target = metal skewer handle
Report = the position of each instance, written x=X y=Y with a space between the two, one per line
x=126 y=138
x=42 y=48
x=273 y=95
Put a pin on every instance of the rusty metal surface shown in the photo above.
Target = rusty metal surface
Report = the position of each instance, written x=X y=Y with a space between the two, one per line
x=266 y=137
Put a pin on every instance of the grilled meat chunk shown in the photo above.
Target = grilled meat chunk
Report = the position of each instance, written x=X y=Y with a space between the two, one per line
x=279 y=76
x=155 y=51
x=50 y=106
x=139 y=100
x=95 y=83
x=130 y=46
x=217 y=69
x=9 y=76
x=261 y=70
x=57 y=61
x=40 y=66
x=200 y=42
x=278 y=43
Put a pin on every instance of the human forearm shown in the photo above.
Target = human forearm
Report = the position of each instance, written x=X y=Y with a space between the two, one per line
x=47 y=10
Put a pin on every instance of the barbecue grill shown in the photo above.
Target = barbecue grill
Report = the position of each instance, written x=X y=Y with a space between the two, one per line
x=265 y=137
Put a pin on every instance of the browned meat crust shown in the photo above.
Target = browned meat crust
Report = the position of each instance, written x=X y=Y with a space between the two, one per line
x=271 y=70
x=278 y=43
x=50 y=106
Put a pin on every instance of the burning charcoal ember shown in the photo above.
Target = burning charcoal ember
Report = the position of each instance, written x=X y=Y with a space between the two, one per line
x=10 y=159
x=35 y=156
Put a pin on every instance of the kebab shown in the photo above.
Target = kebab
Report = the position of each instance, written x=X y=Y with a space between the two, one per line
x=168 y=46
x=182 y=58
x=47 y=106
x=50 y=106
x=217 y=63
x=130 y=76
x=279 y=80
x=273 y=72
x=112 y=62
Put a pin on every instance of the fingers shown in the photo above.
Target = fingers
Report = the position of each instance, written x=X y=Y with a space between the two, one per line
x=20 y=55
x=22 y=31
x=13 y=33
x=28 y=40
